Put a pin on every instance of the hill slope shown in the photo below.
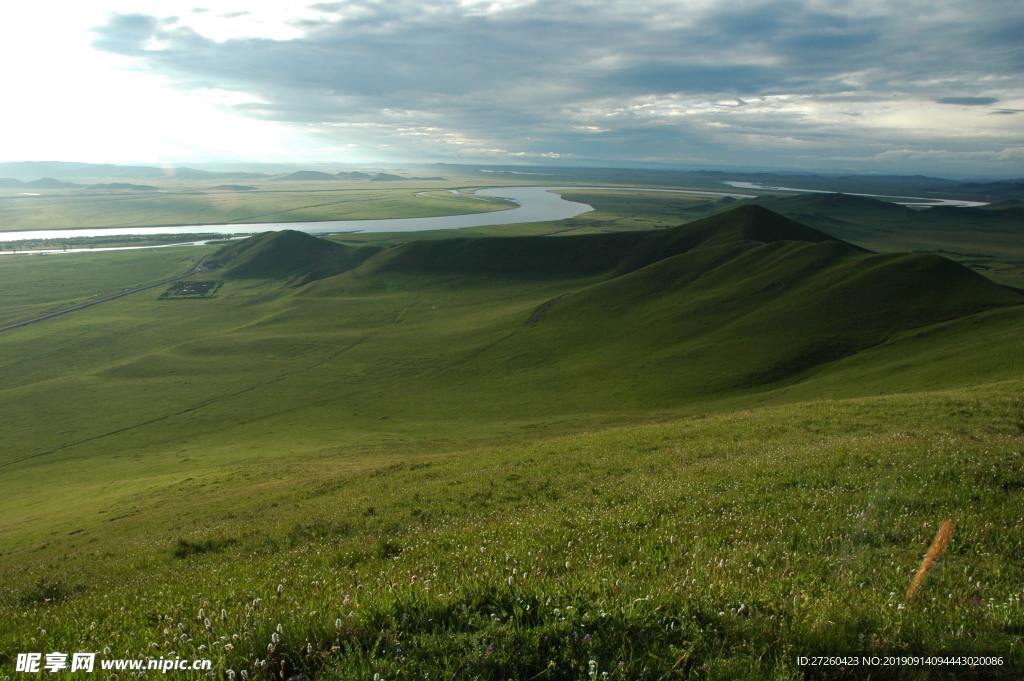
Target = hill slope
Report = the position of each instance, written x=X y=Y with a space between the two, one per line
x=590 y=254
x=474 y=341
x=306 y=176
x=287 y=254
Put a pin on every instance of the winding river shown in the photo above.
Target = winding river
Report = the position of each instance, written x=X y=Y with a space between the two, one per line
x=535 y=204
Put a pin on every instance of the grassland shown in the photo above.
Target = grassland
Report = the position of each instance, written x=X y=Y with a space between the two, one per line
x=695 y=452
x=184 y=206
x=35 y=285
x=715 y=547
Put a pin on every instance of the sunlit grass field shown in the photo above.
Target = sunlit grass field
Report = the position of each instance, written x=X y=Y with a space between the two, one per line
x=712 y=547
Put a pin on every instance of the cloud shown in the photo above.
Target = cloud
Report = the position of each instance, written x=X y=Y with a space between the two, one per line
x=126 y=33
x=605 y=79
x=968 y=101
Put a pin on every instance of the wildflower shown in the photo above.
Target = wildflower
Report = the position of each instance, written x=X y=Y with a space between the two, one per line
x=337 y=624
x=206 y=623
x=280 y=629
x=275 y=637
x=224 y=615
x=245 y=675
x=280 y=589
x=228 y=647
x=345 y=601
x=231 y=675
x=106 y=651
x=202 y=614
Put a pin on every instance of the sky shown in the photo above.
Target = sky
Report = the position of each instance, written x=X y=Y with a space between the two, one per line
x=933 y=87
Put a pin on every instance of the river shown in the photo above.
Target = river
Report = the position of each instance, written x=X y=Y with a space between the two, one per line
x=535 y=204
x=911 y=201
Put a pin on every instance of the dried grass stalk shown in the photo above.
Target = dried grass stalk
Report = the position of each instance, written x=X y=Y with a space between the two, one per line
x=939 y=545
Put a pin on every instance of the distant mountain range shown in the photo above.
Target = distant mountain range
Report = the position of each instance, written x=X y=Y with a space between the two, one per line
x=26 y=169
x=44 y=183
x=28 y=172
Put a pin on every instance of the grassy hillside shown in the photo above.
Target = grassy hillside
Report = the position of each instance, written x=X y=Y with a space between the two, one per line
x=696 y=447
x=589 y=254
x=286 y=254
x=715 y=547
x=989 y=239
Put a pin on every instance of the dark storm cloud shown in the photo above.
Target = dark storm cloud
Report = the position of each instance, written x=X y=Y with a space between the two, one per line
x=591 y=78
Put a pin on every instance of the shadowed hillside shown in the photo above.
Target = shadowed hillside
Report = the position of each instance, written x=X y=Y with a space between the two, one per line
x=986 y=239
x=741 y=315
x=287 y=254
x=590 y=254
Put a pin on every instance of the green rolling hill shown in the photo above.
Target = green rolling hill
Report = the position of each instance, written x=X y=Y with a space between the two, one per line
x=287 y=255
x=491 y=337
x=713 y=446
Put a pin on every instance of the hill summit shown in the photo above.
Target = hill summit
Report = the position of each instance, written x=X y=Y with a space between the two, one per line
x=287 y=255
x=306 y=176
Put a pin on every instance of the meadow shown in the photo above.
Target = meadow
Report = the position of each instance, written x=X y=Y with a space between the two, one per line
x=186 y=205
x=712 y=547
x=694 y=452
